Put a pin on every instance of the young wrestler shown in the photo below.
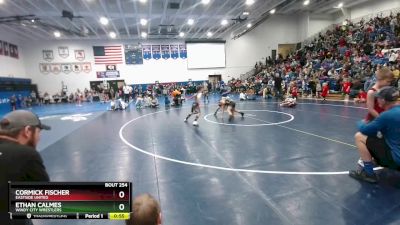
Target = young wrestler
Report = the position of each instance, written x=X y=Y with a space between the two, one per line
x=229 y=105
x=195 y=106
x=221 y=103
x=293 y=90
x=346 y=89
x=231 y=108
x=384 y=78
x=289 y=102
x=325 y=91
x=362 y=97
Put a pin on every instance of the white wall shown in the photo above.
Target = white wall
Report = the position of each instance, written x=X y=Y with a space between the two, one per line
x=152 y=70
x=245 y=51
x=317 y=25
x=11 y=67
x=241 y=55
x=373 y=7
x=303 y=24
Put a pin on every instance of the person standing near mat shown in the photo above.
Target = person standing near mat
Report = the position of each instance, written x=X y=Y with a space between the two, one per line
x=19 y=160
x=196 y=106
x=386 y=150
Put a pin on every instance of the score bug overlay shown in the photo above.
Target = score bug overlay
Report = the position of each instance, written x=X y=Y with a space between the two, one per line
x=70 y=200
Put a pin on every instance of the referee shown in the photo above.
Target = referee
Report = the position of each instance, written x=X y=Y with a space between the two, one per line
x=19 y=160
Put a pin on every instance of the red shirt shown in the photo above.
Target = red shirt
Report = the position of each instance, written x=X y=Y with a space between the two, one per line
x=376 y=107
x=362 y=95
x=294 y=91
x=342 y=42
x=346 y=87
x=325 y=91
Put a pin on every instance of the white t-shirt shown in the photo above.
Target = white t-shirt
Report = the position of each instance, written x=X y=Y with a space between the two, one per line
x=126 y=90
x=393 y=57
x=199 y=96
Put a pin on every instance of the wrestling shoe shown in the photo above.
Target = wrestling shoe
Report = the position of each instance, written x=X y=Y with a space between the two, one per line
x=185 y=120
x=242 y=113
x=360 y=174
x=195 y=123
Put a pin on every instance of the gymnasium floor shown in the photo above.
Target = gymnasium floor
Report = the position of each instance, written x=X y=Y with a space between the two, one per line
x=274 y=166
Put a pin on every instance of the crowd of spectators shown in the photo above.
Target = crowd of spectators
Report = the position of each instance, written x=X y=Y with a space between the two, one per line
x=344 y=58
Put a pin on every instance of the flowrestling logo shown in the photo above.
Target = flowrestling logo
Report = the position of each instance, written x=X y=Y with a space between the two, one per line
x=4 y=100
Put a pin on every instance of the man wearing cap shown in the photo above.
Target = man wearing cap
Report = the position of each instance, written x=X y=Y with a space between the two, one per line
x=386 y=150
x=19 y=160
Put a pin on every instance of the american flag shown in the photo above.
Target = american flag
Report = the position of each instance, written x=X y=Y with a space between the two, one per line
x=108 y=54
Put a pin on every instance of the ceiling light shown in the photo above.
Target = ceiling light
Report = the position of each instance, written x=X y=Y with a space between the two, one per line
x=272 y=11
x=306 y=2
x=143 y=22
x=190 y=21
x=103 y=20
x=112 y=34
x=143 y=1
x=144 y=35
x=57 y=34
x=1 y=1
x=209 y=34
x=340 y=5
x=205 y=2
x=246 y=13
x=181 y=34
x=224 y=22
x=249 y=25
x=250 y=2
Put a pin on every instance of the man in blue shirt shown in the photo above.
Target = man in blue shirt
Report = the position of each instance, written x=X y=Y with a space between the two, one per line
x=386 y=150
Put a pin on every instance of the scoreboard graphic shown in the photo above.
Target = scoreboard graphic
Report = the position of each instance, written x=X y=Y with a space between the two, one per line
x=70 y=200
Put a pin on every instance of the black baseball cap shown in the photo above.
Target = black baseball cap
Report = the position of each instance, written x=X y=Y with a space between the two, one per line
x=390 y=94
x=21 y=118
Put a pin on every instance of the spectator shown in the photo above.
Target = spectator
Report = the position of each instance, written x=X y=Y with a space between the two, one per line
x=19 y=161
x=146 y=211
x=13 y=103
x=386 y=150
x=362 y=97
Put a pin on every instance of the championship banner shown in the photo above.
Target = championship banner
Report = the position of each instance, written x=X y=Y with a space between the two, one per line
x=76 y=68
x=55 y=68
x=13 y=51
x=5 y=47
x=147 y=52
x=48 y=55
x=63 y=52
x=1 y=48
x=156 y=51
x=86 y=67
x=174 y=51
x=79 y=55
x=66 y=68
x=165 y=52
x=133 y=54
x=107 y=74
x=44 y=68
x=182 y=51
